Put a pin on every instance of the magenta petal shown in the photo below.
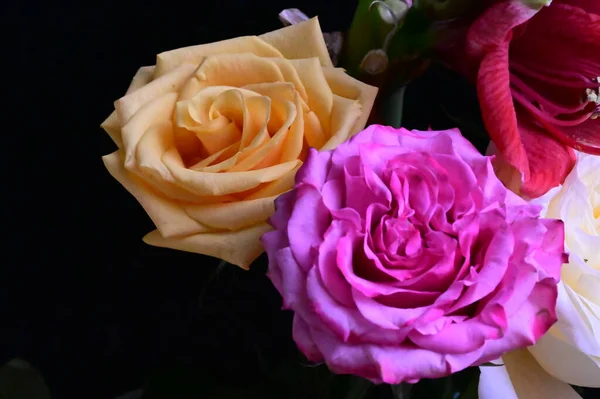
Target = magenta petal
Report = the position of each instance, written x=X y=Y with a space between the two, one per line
x=390 y=317
x=533 y=319
x=307 y=224
x=458 y=338
x=315 y=168
x=495 y=263
x=332 y=277
x=303 y=338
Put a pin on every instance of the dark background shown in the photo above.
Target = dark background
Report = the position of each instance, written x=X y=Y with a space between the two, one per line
x=94 y=309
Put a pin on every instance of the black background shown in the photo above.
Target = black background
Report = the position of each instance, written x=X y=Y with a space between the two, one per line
x=81 y=297
x=94 y=309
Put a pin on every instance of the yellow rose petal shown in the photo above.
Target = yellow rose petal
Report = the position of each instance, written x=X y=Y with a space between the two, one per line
x=270 y=152
x=157 y=110
x=203 y=183
x=112 y=126
x=170 y=60
x=290 y=75
x=155 y=142
x=344 y=115
x=239 y=248
x=346 y=86
x=313 y=131
x=128 y=105
x=234 y=70
x=295 y=138
x=142 y=77
x=320 y=97
x=233 y=215
x=168 y=217
x=225 y=153
x=277 y=187
x=302 y=40
x=279 y=93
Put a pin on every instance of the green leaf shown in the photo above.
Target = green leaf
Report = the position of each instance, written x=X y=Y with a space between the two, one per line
x=414 y=38
x=19 y=380
x=367 y=32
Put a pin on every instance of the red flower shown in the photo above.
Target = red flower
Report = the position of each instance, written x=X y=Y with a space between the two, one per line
x=538 y=83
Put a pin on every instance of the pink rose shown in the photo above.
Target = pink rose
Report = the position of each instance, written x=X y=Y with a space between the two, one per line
x=404 y=257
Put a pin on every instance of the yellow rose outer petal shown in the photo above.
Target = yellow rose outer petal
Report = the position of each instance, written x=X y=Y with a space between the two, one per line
x=277 y=187
x=234 y=215
x=346 y=86
x=320 y=97
x=531 y=381
x=142 y=77
x=128 y=105
x=154 y=112
x=233 y=70
x=203 y=183
x=168 y=217
x=170 y=60
x=303 y=40
x=344 y=115
x=240 y=248
x=112 y=124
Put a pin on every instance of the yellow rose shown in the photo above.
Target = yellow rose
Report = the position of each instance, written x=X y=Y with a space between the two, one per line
x=212 y=134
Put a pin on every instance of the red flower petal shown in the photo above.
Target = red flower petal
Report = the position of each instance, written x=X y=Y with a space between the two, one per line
x=493 y=87
x=549 y=160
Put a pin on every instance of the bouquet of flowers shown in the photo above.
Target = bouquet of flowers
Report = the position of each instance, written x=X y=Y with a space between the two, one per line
x=419 y=260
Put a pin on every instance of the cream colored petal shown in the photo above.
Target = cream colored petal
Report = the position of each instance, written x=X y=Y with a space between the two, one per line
x=128 y=105
x=168 y=217
x=302 y=40
x=234 y=70
x=143 y=76
x=170 y=60
x=495 y=383
x=320 y=97
x=344 y=115
x=203 y=183
x=112 y=126
x=346 y=86
x=234 y=215
x=566 y=362
x=531 y=381
x=239 y=248
x=158 y=110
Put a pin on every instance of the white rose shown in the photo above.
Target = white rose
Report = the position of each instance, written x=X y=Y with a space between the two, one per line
x=570 y=351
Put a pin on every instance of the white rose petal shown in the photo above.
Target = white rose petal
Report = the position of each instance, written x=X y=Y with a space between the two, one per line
x=570 y=351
